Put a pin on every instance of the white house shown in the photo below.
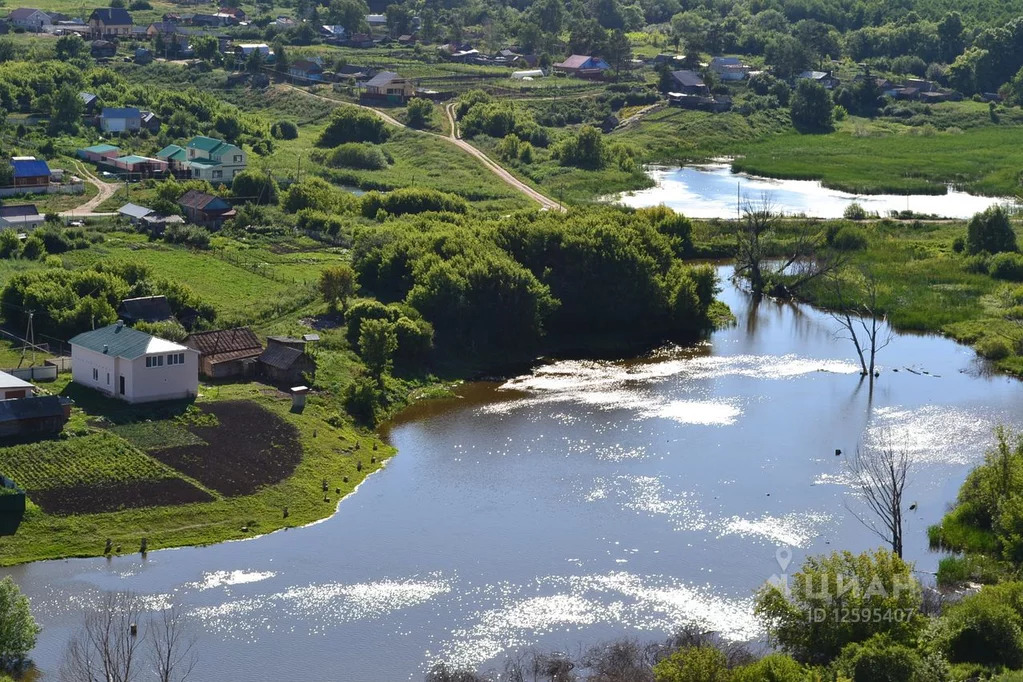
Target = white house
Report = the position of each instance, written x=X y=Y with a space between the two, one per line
x=30 y=19
x=134 y=366
x=215 y=160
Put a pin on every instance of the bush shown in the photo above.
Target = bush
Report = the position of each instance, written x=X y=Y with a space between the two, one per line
x=363 y=400
x=33 y=248
x=420 y=111
x=366 y=309
x=959 y=244
x=284 y=130
x=319 y=195
x=772 y=668
x=10 y=245
x=255 y=187
x=854 y=212
x=693 y=664
x=189 y=235
x=352 y=124
x=880 y=660
x=977 y=265
x=411 y=200
x=1007 y=266
x=983 y=628
x=993 y=348
x=990 y=232
x=359 y=155
x=849 y=238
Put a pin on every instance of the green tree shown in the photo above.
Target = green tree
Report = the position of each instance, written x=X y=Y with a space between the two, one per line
x=377 y=343
x=880 y=659
x=399 y=20
x=771 y=668
x=786 y=56
x=984 y=628
x=65 y=111
x=338 y=285
x=205 y=47
x=349 y=13
x=18 y=629
x=619 y=50
x=352 y=124
x=281 y=59
x=810 y=107
x=689 y=29
x=70 y=46
x=420 y=111
x=10 y=245
x=7 y=50
x=694 y=664
x=990 y=231
x=33 y=249
x=805 y=618
x=255 y=187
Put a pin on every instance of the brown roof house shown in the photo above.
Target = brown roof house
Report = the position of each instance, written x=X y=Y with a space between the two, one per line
x=226 y=352
x=35 y=417
x=205 y=209
x=285 y=361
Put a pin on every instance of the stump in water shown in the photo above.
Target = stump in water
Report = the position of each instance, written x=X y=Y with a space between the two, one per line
x=106 y=550
x=145 y=545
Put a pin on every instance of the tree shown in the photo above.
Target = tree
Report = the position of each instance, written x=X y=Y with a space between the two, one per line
x=205 y=47
x=880 y=471
x=950 y=36
x=619 y=50
x=693 y=664
x=786 y=56
x=419 y=112
x=349 y=13
x=255 y=187
x=7 y=50
x=65 y=111
x=172 y=650
x=689 y=29
x=18 y=629
x=990 y=232
x=70 y=46
x=281 y=60
x=810 y=107
x=351 y=124
x=864 y=317
x=377 y=344
x=399 y=20
x=800 y=613
x=337 y=285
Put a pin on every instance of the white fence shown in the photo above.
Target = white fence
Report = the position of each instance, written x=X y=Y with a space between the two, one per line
x=74 y=187
x=37 y=373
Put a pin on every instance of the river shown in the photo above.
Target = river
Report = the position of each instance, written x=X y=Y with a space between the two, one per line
x=713 y=191
x=583 y=501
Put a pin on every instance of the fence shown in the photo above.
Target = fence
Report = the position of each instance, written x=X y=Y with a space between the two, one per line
x=45 y=372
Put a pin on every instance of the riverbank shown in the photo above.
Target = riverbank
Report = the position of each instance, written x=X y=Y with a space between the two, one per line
x=242 y=498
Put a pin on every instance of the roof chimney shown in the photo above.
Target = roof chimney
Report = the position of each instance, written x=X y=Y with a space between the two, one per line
x=106 y=349
x=120 y=323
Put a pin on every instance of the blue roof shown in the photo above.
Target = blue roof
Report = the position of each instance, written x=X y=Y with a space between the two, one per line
x=121 y=112
x=30 y=169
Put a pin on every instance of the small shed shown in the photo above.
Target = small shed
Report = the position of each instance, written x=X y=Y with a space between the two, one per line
x=134 y=213
x=226 y=353
x=11 y=387
x=529 y=73
x=99 y=153
x=33 y=417
x=145 y=309
x=285 y=365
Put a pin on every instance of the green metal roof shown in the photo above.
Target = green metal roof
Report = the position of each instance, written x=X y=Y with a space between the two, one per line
x=132 y=158
x=120 y=341
x=100 y=148
x=171 y=152
x=207 y=144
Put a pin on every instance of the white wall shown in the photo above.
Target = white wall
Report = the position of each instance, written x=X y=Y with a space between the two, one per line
x=141 y=384
x=83 y=361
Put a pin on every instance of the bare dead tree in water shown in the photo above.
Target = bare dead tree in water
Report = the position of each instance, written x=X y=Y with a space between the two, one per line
x=116 y=638
x=880 y=472
x=862 y=322
x=757 y=230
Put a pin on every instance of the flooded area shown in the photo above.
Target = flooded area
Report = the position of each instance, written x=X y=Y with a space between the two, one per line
x=584 y=501
x=714 y=191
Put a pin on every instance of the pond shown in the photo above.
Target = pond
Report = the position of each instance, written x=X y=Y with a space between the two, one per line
x=584 y=501
x=713 y=191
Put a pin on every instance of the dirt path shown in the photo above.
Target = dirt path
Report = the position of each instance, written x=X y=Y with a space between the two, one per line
x=88 y=209
x=545 y=202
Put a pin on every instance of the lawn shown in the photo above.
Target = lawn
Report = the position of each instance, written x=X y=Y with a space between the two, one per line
x=331 y=451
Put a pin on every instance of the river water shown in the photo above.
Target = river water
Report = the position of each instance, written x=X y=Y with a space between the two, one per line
x=713 y=191
x=584 y=501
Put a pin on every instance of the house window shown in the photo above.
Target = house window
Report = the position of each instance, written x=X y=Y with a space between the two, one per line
x=176 y=359
x=149 y=361
x=159 y=361
x=108 y=378
x=218 y=174
x=95 y=374
x=237 y=158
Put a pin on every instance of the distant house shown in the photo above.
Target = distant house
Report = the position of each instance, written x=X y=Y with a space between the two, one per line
x=89 y=102
x=306 y=70
x=237 y=13
x=211 y=159
x=689 y=83
x=20 y=217
x=131 y=365
x=33 y=417
x=161 y=28
x=359 y=73
x=155 y=223
x=333 y=31
x=285 y=361
x=12 y=387
x=376 y=20
x=174 y=155
x=388 y=87
x=151 y=121
x=823 y=77
x=205 y=209
x=110 y=22
x=137 y=166
x=407 y=39
x=102 y=49
x=145 y=308
x=669 y=59
x=30 y=173
x=246 y=49
x=29 y=18
x=134 y=213
x=99 y=153
x=227 y=352
x=582 y=65
x=120 y=120
x=729 y=68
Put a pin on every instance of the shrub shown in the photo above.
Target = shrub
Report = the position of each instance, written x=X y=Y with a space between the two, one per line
x=983 y=628
x=693 y=664
x=849 y=238
x=1007 y=266
x=366 y=309
x=284 y=130
x=990 y=231
x=855 y=212
x=420 y=111
x=993 y=348
x=411 y=200
x=977 y=265
x=165 y=329
x=583 y=150
x=33 y=248
x=352 y=124
x=189 y=235
x=879 y=660
x=362 y=400
x=250 y=185
x=357 y=155
x=319 y=195
x=772 y=668
x=10 y=245
x=959 y=244
x=415 y=341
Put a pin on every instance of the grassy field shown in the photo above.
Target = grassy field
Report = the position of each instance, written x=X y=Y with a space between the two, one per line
x=330 y=451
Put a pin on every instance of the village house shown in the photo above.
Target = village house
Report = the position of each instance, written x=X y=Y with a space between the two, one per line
x=30 y=173
x=110 y=22
x=333 y=32
x=285 y=362
x=246 y=49
x=306 y=70
x=29 y=18
x=156 y=223
x=145 y=308
x=688 y=82
x=133 y=366
x=823 y=77
x=729 y=68
x=89 y=102
x=208 y=158
x=12 y=387
x=99 y=153
x=226 y=353
x=151 y=122
x=102 y=49
x=20 y=217
x=136 y=167
x=354 y=72
x=33 y=417
x=134 y=213
x=388 y=87
x=161 y=28
x=120 y=120
x=205 y=209
x=583 y=66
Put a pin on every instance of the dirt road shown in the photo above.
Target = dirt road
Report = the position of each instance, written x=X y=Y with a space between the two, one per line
x=88 y=209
